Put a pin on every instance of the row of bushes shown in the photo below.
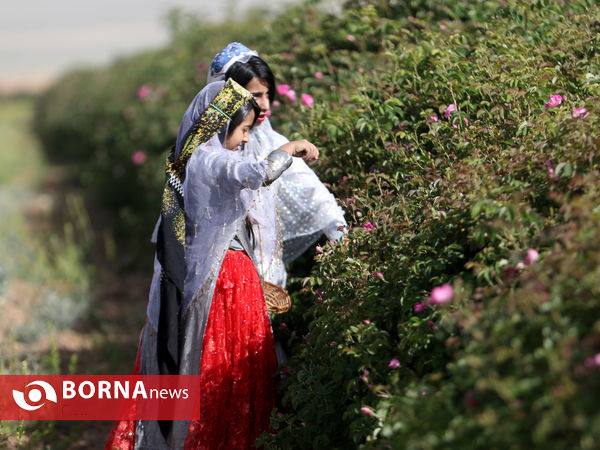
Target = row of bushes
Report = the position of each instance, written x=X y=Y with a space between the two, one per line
x=461 y=309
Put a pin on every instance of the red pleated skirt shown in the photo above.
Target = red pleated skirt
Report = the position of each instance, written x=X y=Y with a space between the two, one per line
x=237 y=369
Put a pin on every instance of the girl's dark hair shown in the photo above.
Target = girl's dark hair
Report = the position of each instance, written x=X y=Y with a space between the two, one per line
x=242 y=73
x=241 y=113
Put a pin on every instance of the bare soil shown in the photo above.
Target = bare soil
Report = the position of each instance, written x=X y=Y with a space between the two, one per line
x=104 y=342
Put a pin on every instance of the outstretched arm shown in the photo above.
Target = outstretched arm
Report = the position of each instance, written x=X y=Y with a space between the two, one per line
x=301 y=149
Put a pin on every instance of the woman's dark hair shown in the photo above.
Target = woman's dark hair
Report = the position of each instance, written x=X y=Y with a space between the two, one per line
x=242 y=73
x=241 y=113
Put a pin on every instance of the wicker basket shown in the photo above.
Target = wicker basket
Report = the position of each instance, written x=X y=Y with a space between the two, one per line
x=278 y=300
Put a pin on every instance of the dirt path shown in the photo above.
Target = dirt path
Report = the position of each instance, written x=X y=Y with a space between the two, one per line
x=65 y=307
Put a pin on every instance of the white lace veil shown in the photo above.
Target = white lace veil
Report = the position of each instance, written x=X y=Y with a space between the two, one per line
x=214 y=204
x=303 y=208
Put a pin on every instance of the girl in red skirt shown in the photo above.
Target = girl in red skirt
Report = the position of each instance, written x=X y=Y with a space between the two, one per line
x=207 y=313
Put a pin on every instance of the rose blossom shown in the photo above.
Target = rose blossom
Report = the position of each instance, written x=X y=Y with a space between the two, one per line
x=580 y=112
x=307 y=99
x=531 y=257
x=555 y=100
x=138 y=158
x=291 y=94
x=593 y=361
x=144 y=92
x=449 y=110
x=394 y=363
x=283 y=89
x=366 y=411
x=441 y=294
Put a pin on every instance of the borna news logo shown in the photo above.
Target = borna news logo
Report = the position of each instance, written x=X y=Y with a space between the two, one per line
x=99 y=397
x=34 y=395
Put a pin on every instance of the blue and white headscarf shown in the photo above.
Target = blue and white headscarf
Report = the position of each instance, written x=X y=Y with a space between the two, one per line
x=234 y=52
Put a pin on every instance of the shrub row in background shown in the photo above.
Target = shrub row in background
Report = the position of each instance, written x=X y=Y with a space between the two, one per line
x=462 y=309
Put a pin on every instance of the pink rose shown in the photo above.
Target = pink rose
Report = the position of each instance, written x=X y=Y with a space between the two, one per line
x=144 y=92
x=283 y=89
x=443 y=27
x=531 y=257
x=138 y=158
x=580 y=112
x=418 y=307
x=369 y=226
x=276 y=103
x=555 y=100
x=318 y=75
x=367 y=321
x=449 y=110
x=366 y=411
x=350 y=38
x=291 y=94
x=379 y=274
x=307 y=99
x=318 y=249
x=394 y=364
x=593 y=361
x=441 y=294
x=433 y=118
